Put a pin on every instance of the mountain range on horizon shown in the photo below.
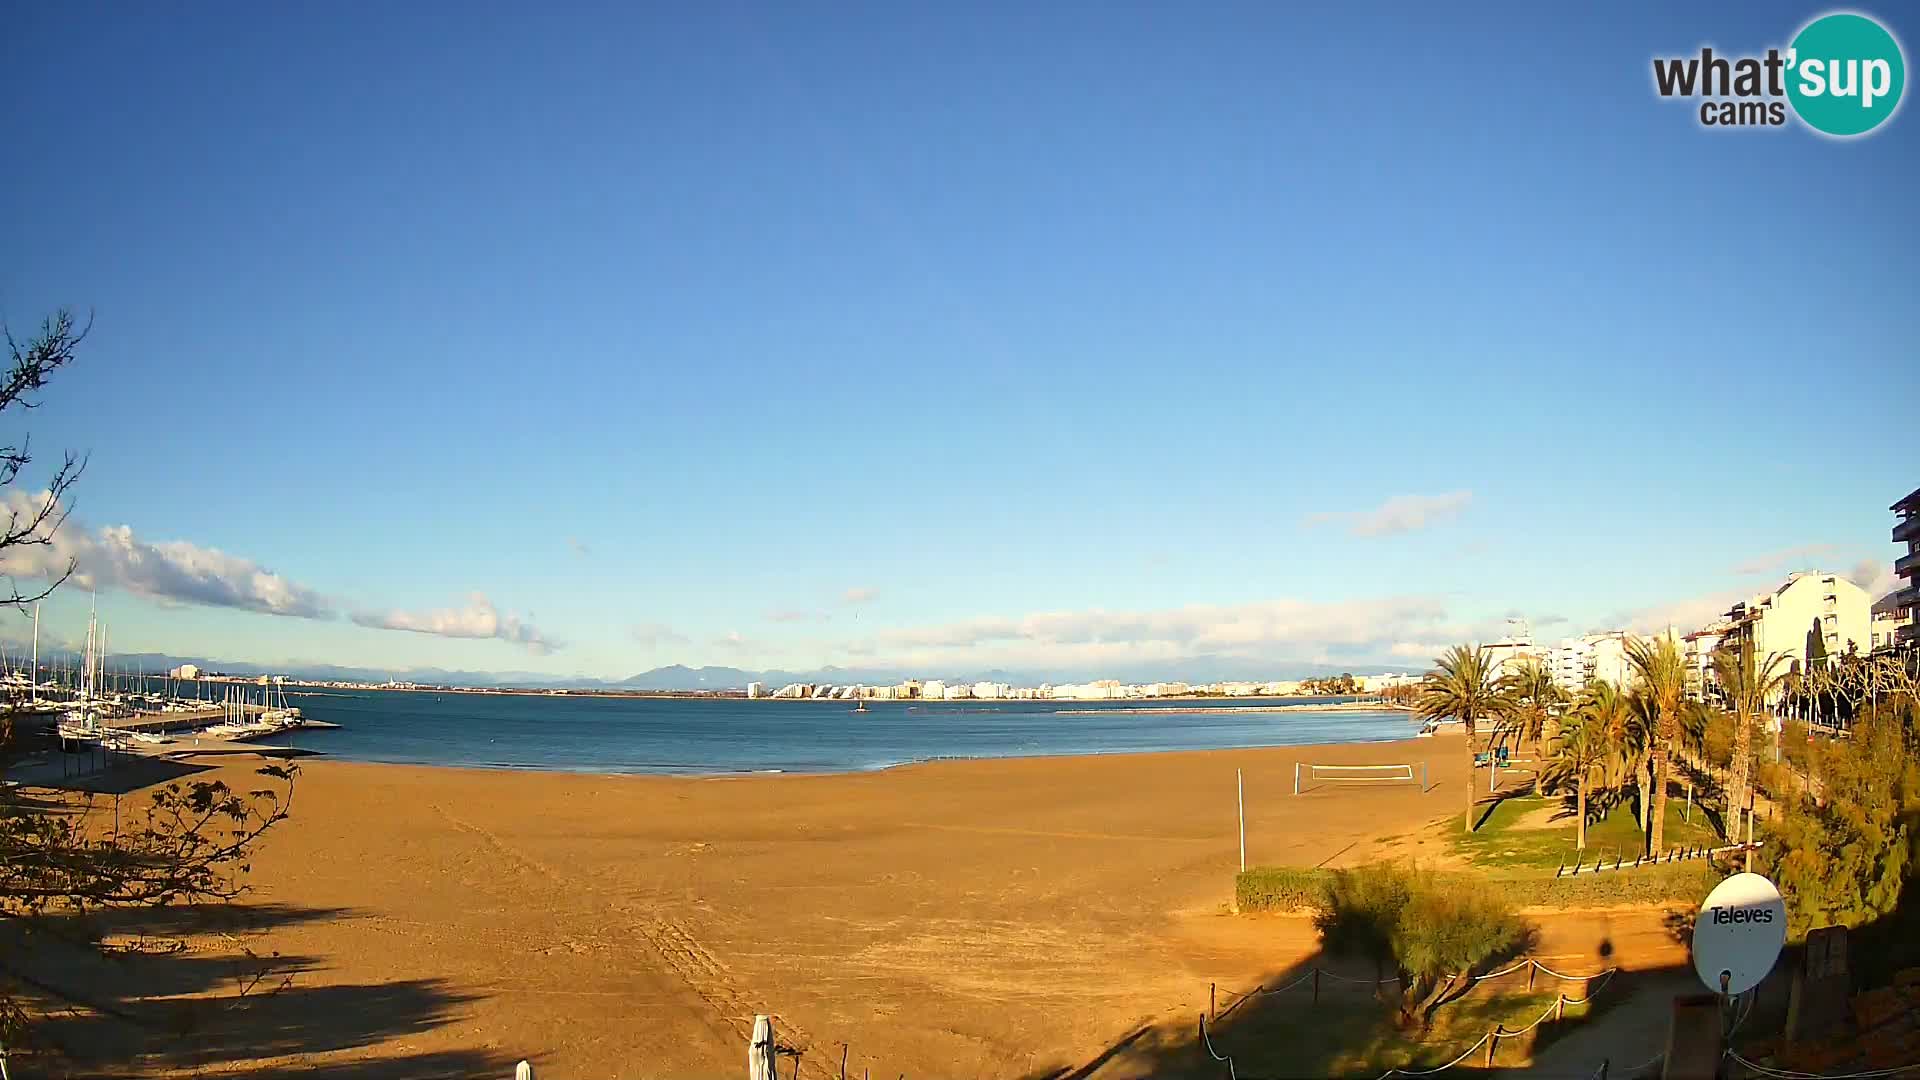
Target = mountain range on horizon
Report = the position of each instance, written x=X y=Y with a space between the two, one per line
x=680 y=677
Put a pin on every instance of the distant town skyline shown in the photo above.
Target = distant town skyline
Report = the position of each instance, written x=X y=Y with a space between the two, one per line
x=585 y=346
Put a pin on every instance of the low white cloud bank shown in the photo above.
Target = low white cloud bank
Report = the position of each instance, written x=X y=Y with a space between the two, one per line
x=1400 y=630
x=1399 y=514
x=479 y=619
x=169 y=571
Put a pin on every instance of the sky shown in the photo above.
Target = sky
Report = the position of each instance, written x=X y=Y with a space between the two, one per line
x=1063 y=336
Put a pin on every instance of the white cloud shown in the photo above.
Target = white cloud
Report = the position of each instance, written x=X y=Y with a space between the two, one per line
x=169 y=571
x=1684 y=615
x=796 y=616
x=652 y=635
x=479 y=619
x=731 y=640
x=1285 y=629
x=1399 y=514
x=1786 y=559
x=858 y=595
x=1875 y=576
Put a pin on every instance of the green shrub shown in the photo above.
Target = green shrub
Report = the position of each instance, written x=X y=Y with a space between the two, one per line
x=1431 y=930
x=1285 y=888
x=1279 y=888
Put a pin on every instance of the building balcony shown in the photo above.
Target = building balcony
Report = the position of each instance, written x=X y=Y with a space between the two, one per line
x=1907 y=531
x=1907 y=635
x=1907 y=565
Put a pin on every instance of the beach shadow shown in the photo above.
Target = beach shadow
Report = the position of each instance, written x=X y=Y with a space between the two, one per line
x=445 y=1065
x=199 y=987
x=124 y=776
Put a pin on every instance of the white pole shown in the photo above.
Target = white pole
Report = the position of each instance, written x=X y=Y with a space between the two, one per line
x=36 y=654
x=1240 y=787
x=760 y=1061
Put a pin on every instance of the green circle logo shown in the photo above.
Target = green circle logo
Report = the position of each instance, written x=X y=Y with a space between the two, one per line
x=1845 y=74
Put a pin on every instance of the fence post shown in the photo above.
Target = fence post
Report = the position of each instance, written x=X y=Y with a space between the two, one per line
x=1532 y=966
x=1316 y=986
x=1559 y=1008
x=1494 y=1042
x=1211 y=1014
x=523 y=1071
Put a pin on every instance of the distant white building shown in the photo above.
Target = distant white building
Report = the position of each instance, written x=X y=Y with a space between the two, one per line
x=185 y=671
x=958 y=691
x=933 y=689
x=755 y=689
x=992 y=690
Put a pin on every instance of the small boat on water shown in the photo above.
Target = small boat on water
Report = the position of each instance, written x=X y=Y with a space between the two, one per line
x=860 y=706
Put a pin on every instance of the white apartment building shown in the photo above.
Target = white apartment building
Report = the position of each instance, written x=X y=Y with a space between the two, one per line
x=1568 y=663
x=755 y=689
x=958 y=692
x=1809 y=605
x=991 y=690
x=933 y=689
x=1577 y=661
x=1698 y=648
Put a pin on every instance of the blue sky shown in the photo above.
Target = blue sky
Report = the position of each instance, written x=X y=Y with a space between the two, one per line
x=774 y=335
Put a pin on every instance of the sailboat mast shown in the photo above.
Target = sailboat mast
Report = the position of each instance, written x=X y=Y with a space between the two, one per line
x=36 y=654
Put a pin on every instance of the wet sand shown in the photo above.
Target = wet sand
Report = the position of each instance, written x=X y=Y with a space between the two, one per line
x=967 y=918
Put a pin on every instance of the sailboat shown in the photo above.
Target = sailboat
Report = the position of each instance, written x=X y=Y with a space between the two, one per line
x=83 y=721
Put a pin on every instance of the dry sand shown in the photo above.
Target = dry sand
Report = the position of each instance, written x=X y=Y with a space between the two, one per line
x=957 y=919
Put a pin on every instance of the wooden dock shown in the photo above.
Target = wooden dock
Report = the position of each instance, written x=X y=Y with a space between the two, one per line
x=187 y=721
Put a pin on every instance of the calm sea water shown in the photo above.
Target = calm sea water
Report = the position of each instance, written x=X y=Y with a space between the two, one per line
x=694 y=736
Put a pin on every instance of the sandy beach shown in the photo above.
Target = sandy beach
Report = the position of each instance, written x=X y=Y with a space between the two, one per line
x=1006 y=918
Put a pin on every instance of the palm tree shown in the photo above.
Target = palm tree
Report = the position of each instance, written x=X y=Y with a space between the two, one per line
x=1581 y=750
x=1533 y=697
x=1748 y=683
x=1640 y=721
x=1461 y=687
x=1662 y=673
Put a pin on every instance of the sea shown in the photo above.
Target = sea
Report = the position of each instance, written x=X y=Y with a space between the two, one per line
x=712 y=736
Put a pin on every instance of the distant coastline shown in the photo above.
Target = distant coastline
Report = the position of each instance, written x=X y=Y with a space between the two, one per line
x=1356 y=703
x=1330 y=706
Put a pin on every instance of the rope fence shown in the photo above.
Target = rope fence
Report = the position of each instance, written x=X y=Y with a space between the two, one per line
x=1595 y=982
x=1316 y=974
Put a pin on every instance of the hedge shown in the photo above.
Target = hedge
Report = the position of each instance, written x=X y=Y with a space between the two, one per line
x=1286 y=888
x=1279 y=888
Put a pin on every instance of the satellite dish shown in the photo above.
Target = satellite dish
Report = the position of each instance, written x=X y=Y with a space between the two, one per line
x=1738 y=934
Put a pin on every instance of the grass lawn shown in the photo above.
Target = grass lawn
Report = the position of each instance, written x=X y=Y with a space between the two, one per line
x=1352 y=1035
x=1513 y=836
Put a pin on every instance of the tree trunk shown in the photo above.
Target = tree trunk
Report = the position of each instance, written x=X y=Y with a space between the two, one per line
x=1643 y=779
x=1662 y=766
x=1742 y=746
x=1467 y=822
x=1580 y=808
